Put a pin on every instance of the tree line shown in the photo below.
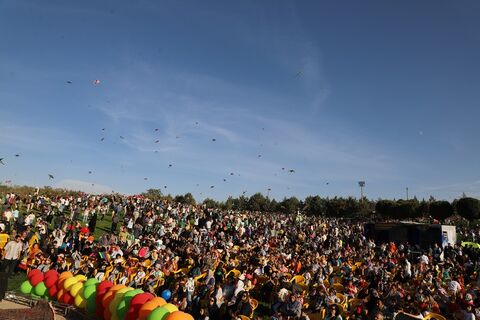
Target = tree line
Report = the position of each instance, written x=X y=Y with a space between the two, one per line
x=466 y=207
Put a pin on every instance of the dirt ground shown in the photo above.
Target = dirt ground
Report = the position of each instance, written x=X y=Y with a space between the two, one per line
x=4 y=305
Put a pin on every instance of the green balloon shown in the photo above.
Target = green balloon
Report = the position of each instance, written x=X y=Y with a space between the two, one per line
x=159 y=313
x=26 y=287
x=40 y=289
x=88 y=291
x=91 y=305
x=124 y=304
x=90 y=282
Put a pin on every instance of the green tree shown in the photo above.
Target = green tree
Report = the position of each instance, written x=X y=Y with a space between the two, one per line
x=211 y=204
x=469 y=208
x=153 y=194
x=290 y=205
x=257 y=202
x=440 y=209
x=314 y=205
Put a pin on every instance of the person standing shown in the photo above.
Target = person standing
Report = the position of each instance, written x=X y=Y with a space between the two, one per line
x=115 y=220
x=93 y=222
x=13 y=250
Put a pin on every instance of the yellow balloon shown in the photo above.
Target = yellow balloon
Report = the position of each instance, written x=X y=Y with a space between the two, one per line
x=170 y=307
x=116 y=300
x=75 y=289
x=69 y=283
x=79 y=302
x=80 y=277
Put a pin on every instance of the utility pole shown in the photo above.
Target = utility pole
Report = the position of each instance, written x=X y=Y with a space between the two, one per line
x=407 y=192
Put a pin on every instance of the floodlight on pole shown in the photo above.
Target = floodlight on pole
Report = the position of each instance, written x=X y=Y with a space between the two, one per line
x=361 y=184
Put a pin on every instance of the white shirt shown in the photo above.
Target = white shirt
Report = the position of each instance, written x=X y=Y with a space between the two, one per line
x=13 y=249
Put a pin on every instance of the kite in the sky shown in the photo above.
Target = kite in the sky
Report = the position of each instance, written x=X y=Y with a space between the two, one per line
x=157 y=141
x=231 y=173
x=96 y=82
x=196 y=123
x=156 y=151
x=69 y=82
x=299 y=73
x=169 y=165
x=224 y=180
x=121 y=137
x=145 y=178
x=165 y=187
x=17 y=155
x=328 y=183
x=211 y=187
x=214 y=139
x=156 y=129
x=291 y=171
x=283 y=168
x=103 y=129
x=1 y=161
x=50 y=177
x=89 y=172
x=102 y=139
x=259 y=155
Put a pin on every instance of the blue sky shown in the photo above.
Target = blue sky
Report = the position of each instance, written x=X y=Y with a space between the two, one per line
x=339 y=91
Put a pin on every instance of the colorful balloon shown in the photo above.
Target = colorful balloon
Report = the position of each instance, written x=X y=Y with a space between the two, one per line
x=159 y=313
x=68 y=284
x=136 y=304
x=36 y=278
x=179 y=315
x=65 y=275
x=91 y=281
x=116 y=300
x=40 y=289
x=107 y=299
x=26 y=287
x=88 y=291
x=91 y=304
x=102 y=289
x=80 y=277
x=166 y=294
x=124 y=305
x=148 y=307
x=33 y=272
x=50 y=281
x=75 y=289
x=52 y=292
x=51 y=273
x=79 y=302
x=67 y=298
x=170 y=307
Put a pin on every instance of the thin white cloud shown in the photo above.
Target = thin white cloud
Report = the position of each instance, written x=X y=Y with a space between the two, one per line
x=84 y=186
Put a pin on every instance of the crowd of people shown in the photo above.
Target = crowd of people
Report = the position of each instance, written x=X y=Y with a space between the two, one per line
x=223 y=264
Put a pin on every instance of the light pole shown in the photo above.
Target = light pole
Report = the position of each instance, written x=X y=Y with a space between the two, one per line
x=407 y=192
x=361 y=184
x=268 y=192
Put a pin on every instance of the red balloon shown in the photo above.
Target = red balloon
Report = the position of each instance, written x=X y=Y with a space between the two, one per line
x=52 y=292
x=136 y=303
x=33 y=272
x=67 y=298
x=51 y=274
x=51 y=282
x=36 y=279
x=102 y=289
